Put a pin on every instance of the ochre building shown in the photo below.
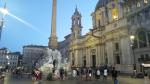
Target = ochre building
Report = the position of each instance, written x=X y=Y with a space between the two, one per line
x=120 y=36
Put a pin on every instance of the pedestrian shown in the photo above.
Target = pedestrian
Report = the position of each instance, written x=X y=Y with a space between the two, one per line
x=148 y=73
x=105 y=73
x=74 y=73
x=33 y=75
x=1 y=77
x=78 y=73
x=98 y=73
x=114 y=75
x=84 y=73
x=65 y=74
x=56 y=75
x=134 y=73
x=38 y=76
x=90 y=73
x=101 y=71
x=62 y=74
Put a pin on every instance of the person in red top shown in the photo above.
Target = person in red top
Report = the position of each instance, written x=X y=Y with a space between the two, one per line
x=38 y=76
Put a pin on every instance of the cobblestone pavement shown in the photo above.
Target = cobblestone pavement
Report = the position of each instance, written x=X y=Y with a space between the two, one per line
x=122 y=80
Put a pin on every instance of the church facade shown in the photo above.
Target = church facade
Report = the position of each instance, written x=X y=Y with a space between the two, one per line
x=120 y=36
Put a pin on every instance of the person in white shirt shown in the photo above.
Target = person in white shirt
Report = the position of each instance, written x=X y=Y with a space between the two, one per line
x=105 y=73
x=98 y=73
x=74 y=73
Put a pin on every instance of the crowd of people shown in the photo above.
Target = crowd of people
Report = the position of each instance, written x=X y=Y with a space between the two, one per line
x=84 y=73
x=90 y=73
x=2 y=75
x=95 y=73
x=79 y=73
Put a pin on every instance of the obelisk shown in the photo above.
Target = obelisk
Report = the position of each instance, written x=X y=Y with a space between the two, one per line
x=53 y=38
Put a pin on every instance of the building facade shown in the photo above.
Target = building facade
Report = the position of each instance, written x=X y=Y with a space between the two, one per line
x=120 y=36
x=13 y=58
x=31 y=55
x=20 y=61
x=8 y=59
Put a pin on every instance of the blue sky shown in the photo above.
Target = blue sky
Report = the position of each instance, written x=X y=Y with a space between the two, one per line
x=38 y=13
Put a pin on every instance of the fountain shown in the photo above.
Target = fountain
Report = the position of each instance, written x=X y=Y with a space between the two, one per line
x=51 y=62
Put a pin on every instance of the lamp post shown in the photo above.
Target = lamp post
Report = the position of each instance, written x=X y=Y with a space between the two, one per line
x=132 y=38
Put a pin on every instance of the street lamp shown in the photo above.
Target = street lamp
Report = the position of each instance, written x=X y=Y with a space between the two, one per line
x=4 y=11
x=132 y=38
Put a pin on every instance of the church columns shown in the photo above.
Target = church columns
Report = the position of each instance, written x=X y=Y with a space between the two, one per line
x=147 y=40
x=99 y=58
x=97 y=55
x=76 y=58
x=101 y=54
x=81 y=57
x=120 y=11
x=87 y=57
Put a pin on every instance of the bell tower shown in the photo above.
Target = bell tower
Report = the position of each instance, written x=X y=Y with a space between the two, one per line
x=76 y=24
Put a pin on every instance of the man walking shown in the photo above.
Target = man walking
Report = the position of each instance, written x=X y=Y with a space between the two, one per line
x=114 y=75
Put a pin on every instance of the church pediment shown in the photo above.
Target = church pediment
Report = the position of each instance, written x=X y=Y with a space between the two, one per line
x=91 y=40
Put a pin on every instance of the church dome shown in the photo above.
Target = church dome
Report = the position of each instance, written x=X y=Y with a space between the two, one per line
x=101 y=3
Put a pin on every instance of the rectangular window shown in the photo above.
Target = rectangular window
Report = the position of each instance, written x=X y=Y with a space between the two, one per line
x=117 y=59
x=117 y=46
x=146 y=15
x=146 y=56
x=132 y=20
x=142 y=57
x=145 y=1
x=148 y=34
x=142 y=39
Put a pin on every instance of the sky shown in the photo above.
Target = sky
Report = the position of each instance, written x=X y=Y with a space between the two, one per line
x=35 y=21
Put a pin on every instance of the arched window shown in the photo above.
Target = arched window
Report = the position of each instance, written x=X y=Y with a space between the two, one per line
x=78 y=21
x=99 y=23
x=145 y=1
x=138 y=4
x=142 y=39
x=74 y=21
x=115 y=13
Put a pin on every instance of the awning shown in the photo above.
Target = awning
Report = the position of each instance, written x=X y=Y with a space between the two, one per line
x=145 y=65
